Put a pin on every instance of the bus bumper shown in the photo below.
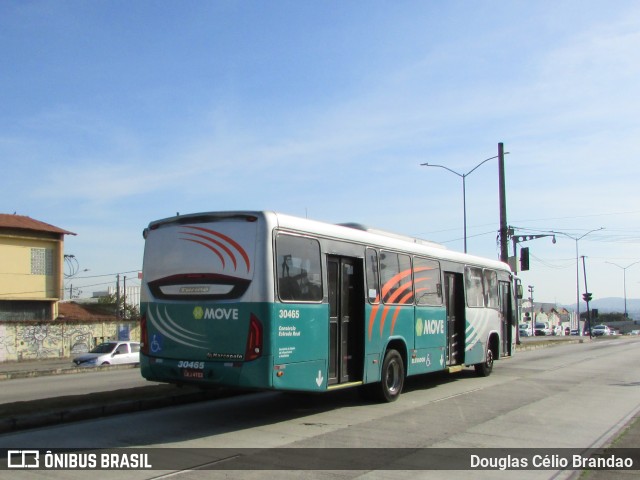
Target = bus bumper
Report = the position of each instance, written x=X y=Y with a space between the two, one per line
x=253 y=374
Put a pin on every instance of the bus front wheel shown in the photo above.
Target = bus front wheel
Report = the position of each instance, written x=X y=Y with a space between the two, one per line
x=392 y=376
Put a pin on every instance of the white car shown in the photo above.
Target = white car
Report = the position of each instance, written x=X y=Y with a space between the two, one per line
x=600 y=330
x=542 y=329
x=110 y=353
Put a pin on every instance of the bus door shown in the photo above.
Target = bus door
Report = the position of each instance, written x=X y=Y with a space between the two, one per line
x=346 y=319
x=454 y=302
x=506 y=314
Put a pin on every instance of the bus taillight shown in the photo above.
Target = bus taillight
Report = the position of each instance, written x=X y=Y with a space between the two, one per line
x=144 y=344
x=254 y=342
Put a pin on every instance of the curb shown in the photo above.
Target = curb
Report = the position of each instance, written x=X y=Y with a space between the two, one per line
x=523 y=347
x=13 y=375
x=146 y=398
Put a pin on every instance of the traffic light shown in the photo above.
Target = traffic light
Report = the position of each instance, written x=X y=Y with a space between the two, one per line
x=586 y=297
x=524 y=259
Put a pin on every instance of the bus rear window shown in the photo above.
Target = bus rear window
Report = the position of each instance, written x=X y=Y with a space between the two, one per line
x=298 y=268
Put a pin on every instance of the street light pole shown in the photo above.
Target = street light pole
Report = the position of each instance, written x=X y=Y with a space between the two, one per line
x=624 y=276
x=577 y=239
x=464 y=176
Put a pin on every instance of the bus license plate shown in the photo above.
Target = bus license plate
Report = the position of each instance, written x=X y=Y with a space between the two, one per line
x=192 y=373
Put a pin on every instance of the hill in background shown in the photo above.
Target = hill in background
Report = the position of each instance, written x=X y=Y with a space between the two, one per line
x=612 y=305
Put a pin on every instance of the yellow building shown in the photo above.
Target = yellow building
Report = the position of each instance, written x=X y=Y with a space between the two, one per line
x=31 y=269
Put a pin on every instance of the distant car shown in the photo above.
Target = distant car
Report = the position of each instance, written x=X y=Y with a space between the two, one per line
x=634 y=332
x=542 y=329
x=110 y=353
x=600 y=330
x=575 y=332
x=524 y=332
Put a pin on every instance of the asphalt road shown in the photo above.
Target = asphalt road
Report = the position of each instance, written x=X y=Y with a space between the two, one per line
x=570 y=396
x=51 y=378
x=52 y=386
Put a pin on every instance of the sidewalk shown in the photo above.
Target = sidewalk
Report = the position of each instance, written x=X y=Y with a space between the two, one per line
x=36 y=368
x=628 y=437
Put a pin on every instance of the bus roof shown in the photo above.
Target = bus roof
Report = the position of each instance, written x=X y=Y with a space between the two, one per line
x=351 y=232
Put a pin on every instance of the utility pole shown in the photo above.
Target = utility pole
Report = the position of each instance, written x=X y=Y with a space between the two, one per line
x=504 y=235
x=118 y=296
x=124 y=296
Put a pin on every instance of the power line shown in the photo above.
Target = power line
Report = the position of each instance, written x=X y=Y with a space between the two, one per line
x=570 y=262
x=72 y=281
x=106 y=275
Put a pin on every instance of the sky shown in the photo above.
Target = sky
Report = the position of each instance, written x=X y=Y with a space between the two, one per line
x=117 y=113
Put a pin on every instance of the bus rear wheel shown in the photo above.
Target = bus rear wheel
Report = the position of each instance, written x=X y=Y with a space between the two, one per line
x=484 y=369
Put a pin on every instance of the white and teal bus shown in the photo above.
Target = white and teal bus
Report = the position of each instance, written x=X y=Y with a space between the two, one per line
x=270 y=301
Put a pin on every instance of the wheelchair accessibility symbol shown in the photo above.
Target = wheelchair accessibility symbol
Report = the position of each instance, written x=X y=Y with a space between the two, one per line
x=156 y=343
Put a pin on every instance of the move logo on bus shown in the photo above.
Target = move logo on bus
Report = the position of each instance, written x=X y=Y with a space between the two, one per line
x=215 y=313
x=223 y=246
x=429 y=327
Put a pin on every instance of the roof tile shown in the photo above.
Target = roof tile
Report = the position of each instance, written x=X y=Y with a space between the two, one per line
x=27 y=223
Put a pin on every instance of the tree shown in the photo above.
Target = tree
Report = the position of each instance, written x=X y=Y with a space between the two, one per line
x=611 y=317
x=127 y=311
x=605 y=317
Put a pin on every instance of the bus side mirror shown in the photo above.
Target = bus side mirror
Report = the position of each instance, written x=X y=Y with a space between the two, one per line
x=519 y=292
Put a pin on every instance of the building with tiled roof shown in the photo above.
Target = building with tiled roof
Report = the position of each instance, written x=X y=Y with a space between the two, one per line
x=31 y=268
x=21 y=223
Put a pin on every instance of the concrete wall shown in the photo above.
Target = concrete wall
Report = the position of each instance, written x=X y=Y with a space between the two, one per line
x=29 y=341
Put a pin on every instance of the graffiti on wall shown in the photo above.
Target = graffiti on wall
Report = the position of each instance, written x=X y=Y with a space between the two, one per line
x=26 y=341
x=7 y=343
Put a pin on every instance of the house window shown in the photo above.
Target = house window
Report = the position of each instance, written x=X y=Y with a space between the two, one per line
x=41 y=261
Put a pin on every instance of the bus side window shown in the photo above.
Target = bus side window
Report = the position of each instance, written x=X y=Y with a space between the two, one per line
x=473 y=285
x=373 y=281
x=396 y=277
x=427 y=281
x=298 y=268
x=490 y=288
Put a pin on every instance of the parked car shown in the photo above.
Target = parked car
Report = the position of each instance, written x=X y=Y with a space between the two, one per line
x=110 y=353
x=575 y=332
x=542 y=329
x=600 y=330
